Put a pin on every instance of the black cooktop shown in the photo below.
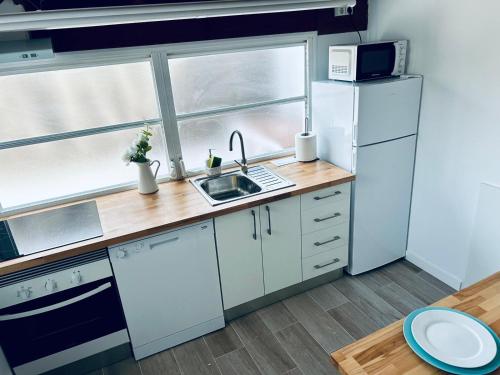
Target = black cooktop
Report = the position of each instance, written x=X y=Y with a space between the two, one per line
x=49 y=229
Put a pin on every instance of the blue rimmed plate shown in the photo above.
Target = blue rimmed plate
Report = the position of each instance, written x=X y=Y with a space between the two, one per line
x=486 y=369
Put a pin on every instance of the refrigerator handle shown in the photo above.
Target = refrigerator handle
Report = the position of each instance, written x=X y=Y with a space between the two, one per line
x=354 y=159
x=355 y=133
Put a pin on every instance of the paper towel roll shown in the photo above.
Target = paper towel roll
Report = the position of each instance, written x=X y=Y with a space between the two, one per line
x=305 y=147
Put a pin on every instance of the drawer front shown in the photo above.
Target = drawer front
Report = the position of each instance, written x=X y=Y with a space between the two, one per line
x=325 y=240
x=326 y=196
x=326 y=216
x=324 y=262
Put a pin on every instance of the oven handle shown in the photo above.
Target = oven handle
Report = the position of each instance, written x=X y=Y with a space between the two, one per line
x=56 y=306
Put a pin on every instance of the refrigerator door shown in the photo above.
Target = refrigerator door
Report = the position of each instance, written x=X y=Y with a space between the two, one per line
x=385 y=110
x=332 y=119
x=381 y=203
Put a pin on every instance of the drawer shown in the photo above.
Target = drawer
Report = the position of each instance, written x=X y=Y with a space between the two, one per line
x=328 y=195
x=325 y=216
x=324 y=262
x=325 y=240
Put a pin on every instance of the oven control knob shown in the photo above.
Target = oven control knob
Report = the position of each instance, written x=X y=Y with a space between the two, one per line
x=50 y=285
x=121 y=253
x=76 y=277
x=24 y=293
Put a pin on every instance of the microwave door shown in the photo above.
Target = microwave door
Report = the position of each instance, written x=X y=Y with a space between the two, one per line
x=375 y=60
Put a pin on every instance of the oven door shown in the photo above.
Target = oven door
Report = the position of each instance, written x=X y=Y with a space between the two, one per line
x=57 y=322
x=375 y=60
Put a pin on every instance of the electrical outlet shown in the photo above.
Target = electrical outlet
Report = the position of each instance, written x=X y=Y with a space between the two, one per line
x=341 y=11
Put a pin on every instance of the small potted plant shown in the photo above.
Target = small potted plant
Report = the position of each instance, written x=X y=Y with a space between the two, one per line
x=136 y=154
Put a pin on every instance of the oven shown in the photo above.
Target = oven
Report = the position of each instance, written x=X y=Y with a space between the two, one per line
x=56 y=314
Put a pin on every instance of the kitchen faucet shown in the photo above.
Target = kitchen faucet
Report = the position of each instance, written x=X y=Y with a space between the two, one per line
x=243 y=164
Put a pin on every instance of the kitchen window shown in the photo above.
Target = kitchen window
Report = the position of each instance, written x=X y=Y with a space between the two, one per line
x=261 y=92
x=62 y=132
x=65 y=123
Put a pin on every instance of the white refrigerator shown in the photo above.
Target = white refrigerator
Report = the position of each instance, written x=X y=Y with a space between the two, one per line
x=369 y=128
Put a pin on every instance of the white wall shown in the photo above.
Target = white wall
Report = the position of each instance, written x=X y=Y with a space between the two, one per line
x=454 y=45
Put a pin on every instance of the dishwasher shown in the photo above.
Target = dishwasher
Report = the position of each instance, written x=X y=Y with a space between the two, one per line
x=169 y=287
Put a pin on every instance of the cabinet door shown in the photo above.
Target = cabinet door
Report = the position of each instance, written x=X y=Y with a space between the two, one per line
x=281 y=243
x=240 y=256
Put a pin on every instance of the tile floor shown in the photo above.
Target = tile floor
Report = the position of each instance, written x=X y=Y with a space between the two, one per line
x=296 y=335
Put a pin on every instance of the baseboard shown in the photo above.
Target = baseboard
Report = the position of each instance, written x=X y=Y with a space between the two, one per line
x=268 y=299
x=435 y=271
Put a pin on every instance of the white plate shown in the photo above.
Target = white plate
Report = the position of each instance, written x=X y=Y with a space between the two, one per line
x=454 y=338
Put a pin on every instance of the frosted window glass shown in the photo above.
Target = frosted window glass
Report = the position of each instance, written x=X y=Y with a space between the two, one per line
x=265 y=130
x=44 y=103
x=228 y=79
x=51 y=170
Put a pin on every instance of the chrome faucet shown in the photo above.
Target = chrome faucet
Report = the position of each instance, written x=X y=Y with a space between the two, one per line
x=243 y=164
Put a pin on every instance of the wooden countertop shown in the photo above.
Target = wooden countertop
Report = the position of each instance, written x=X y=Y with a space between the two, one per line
x=386 y=351
x=128 y=215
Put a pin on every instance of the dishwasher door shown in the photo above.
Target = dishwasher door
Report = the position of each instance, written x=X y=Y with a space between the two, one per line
x=169 y=287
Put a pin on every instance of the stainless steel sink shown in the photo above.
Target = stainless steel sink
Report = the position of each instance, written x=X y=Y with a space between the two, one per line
x=232 y=186
x=229 y=186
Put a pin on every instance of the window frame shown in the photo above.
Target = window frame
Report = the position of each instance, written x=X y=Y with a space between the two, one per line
x=158 y=56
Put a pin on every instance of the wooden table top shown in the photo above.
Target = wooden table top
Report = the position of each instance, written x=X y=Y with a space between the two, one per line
x=129 y=215
x=386 y=352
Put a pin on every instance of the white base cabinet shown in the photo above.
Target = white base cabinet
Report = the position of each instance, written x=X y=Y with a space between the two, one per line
x=239 y=249
x=272 y=246
x=325 y=230
x=259 y=250
x=281 y=253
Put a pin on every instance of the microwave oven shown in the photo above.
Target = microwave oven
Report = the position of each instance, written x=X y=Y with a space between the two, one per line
x=367 y=61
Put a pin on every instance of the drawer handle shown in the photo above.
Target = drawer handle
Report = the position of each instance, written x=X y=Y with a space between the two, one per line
x=328 y=196
x=333 y=261
x=325 y=242
x=153 y=245
x=336 y=214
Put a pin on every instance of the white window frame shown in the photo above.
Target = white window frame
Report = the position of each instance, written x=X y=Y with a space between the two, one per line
x=158 y=56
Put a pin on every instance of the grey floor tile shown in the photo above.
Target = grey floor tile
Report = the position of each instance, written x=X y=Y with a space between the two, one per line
x=250 y=327
x=327 y=296
x=95 y=372
x=126 y=367
x=269 y=355
x=223 y=341
x=322 y=327
x=161 y=363
x=237 y=362
x=381 y=312
x=354 y=321
x=445 y=288
x=194 y=358
x=261 y=344
x=276 y=316
x=305 y=351
x=409 y=266
x=295 y=371
x=413 y=283
x=374 y=279
x=400 y=298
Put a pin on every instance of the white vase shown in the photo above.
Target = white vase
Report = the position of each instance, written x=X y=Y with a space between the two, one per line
x=147 y=180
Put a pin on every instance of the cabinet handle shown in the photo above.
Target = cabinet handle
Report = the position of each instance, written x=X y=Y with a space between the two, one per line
x=269 y=220
x=328 y=196
x=325 y=242
x=333 y=261
x=254 y=226
x=336 y=214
